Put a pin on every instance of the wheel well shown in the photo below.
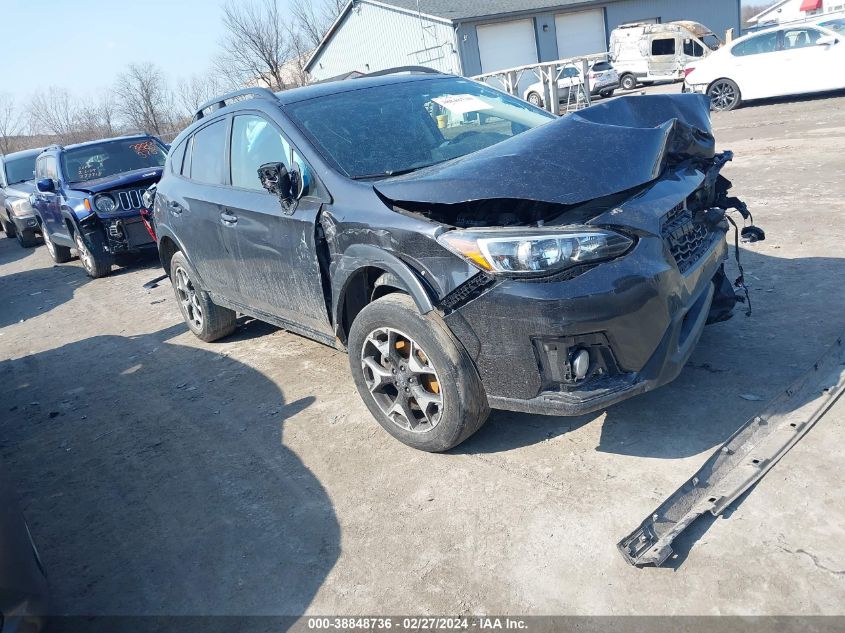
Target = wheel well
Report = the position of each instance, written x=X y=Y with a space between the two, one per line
x=365 y=286
x=167 y=248
x=710 y=85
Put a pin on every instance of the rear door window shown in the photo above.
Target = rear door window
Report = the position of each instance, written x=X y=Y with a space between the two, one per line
x=664 y=46
x=757 y=45
x=209 y=153
x=177 y=156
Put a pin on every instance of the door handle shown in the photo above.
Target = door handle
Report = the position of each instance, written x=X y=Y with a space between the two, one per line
x=228 y=218
x=175 y=207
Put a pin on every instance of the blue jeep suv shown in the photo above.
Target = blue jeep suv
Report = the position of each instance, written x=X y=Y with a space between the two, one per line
x=89 y=198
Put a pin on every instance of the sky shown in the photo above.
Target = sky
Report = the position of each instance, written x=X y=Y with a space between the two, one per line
x=82 y=45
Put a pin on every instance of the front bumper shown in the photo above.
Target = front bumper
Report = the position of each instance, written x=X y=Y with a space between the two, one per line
x=24 y=223
x=125 y=234
x=639 y=316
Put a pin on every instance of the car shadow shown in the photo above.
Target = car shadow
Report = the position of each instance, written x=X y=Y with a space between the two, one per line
x=815 y=96
x=12 y=251
x=177 y=498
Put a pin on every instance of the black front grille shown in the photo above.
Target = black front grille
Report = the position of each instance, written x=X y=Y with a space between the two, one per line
x=686 y=239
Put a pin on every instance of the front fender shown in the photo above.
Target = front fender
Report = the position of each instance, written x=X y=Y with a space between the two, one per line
x=361 y=256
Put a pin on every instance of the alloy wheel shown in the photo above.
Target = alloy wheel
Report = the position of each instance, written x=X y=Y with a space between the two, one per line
x=402 y=380
x=534 y=99
x=84 y=254
x=188 y=298
x=723 y=95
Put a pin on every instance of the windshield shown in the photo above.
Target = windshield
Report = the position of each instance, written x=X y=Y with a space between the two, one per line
x=397 y=128
x=837 y=25
x=109 y=158
x=20 y=170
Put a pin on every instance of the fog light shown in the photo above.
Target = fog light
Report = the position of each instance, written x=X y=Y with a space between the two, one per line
x=580 y=361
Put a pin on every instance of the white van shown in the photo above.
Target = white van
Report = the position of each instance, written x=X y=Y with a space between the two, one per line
x=644 y=53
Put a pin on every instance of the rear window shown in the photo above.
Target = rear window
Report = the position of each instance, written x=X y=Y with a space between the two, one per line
x=663 y=46
x=599 y=66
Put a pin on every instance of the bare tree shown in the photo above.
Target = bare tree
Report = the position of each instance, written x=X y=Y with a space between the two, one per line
x=10 y=124
x=256 y=47
x=97 y=119
x=313 y=23
x=144 y=99
x=198 y=89
x=54 y=112
x=750 y=10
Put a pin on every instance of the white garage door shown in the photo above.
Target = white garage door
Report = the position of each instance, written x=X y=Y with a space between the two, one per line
x=506 y=44
x=580 y=33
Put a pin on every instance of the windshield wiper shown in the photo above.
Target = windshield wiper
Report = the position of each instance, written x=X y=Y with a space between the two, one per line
x=395 y=172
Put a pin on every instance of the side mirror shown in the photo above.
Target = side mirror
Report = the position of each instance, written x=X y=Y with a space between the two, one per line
x=45 y=185
x=826 y=40
x=287 y=185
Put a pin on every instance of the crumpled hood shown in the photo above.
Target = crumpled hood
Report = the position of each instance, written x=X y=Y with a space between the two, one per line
x=118 y=181
x=605 y=149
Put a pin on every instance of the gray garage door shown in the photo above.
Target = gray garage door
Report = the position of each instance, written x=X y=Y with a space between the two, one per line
x=580 y=33
x=506 y=44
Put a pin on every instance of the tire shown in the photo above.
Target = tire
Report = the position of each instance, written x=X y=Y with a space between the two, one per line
x=90 y=249
x=432 y=365
x=27 y=238
x=607 y=94
x=724 y=95
x=207 y=320
x=535 y=99
x=8 y=227
x=59 y=254
x=628 y=82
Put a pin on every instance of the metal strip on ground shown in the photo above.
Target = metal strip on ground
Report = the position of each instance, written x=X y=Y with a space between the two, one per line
x=742 y=460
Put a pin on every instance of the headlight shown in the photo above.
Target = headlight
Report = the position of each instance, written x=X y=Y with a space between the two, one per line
x=147 y=198
x=105 y=203
x=21 y=208
x=537 y=251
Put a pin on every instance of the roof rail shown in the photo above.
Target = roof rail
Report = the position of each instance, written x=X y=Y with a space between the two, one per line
x=53 y=146
x=220 y=102
x=405 y=69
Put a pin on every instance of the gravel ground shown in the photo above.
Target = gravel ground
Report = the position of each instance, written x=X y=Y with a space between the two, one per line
x=162 y=475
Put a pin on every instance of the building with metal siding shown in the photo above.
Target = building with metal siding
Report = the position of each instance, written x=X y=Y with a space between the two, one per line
x=473 y=36
x=371 y=36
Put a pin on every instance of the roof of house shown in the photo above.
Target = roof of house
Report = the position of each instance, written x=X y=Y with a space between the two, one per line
x=769 y=9
x=457 y=10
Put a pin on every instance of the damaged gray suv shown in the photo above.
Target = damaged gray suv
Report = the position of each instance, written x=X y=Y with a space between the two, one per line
x=466 y=249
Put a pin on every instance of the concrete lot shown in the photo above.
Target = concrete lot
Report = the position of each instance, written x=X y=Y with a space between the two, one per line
x=164 y=475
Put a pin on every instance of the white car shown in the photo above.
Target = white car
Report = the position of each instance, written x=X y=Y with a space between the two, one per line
x=783 y=60
x=604 y=80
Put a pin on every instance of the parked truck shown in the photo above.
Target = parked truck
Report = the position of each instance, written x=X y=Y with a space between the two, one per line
x=645 y=53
